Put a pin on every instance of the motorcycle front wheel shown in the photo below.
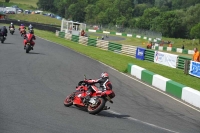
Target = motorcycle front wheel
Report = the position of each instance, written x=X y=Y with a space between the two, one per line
x=69 y=100
x=28 y=48
x=98 y=107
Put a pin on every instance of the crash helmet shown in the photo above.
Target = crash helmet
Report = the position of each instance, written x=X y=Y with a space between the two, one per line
x=11 y=23
x=22 y=24
x=104 y=75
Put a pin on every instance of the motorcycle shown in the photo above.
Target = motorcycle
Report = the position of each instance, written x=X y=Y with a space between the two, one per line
x=96 y=103
x=28 y=45
x=12 y=31
x=2 y=37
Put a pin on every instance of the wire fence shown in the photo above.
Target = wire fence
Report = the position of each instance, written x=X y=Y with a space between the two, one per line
x=142 y=32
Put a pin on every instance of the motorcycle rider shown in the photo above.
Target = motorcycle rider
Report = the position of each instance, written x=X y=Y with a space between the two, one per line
x=30 y=27
x=104 y=83
x=4 y=31
x=11 y=26
x=21 y=28
x=31 y=37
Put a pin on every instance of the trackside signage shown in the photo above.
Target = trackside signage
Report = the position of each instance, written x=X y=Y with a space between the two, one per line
x=140 y=53
x=165 y=59
x=194 y=69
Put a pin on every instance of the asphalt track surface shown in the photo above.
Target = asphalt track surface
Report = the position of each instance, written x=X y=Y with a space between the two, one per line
x=33 y=87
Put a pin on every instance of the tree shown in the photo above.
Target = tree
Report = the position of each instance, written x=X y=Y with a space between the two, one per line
x=169 y=24
x=195 y=32
x=7 y=1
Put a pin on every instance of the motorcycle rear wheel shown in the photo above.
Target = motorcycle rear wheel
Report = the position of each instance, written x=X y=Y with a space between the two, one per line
x=69 y=100
x=100 y=106
x=28 y=48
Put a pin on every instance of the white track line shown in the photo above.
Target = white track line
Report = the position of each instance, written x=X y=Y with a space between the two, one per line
x=133 y=78
x=143 y=122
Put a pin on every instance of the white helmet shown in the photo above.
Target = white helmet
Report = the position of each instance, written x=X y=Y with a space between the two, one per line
x=11 y=23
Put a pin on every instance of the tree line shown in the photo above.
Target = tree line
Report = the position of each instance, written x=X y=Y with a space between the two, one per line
x=173 y=18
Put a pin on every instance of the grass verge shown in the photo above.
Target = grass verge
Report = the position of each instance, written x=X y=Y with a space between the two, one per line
x=24 y=4
x=36 y=18
x=120 y=62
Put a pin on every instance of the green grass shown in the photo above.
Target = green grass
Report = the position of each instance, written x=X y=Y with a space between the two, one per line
x=36 y=18
x=24 y=4
x=120 y=62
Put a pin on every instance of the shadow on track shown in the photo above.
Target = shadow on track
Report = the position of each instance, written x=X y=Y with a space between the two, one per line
x=105 y=113
x=7 y=43
x=35 y=53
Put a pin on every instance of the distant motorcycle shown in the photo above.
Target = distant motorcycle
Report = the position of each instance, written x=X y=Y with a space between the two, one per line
x=2 y=37
x=12 y=31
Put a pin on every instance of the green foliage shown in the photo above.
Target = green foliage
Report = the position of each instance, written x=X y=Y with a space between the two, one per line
x=195 y=31
x=7 y=1
x=174 y=18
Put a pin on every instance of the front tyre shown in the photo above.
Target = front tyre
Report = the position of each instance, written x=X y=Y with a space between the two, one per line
x=98 y=108
x=69 y=100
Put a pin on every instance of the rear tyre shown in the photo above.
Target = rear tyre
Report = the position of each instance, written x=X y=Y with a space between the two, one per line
x=98 y=108
x=69 y=100
x=27 y=48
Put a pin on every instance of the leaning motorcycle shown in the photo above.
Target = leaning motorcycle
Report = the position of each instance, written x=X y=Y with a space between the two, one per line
x=12 y=31
x=2 y=37
x=96 y=103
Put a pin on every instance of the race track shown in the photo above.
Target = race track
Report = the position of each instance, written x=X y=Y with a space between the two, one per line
x=33 y=87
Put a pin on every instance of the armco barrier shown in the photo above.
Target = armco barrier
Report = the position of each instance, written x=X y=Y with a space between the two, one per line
x=181 y=62
x=40 y=26
x=173 y=88
x=149 y=55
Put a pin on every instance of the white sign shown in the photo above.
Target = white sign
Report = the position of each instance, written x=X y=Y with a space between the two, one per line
x=165 y=59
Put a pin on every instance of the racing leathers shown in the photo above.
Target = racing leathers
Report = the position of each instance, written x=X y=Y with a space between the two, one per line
x=104 y=84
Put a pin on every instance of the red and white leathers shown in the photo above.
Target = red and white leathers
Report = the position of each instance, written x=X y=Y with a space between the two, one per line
x=22 y=28
x=105 y=84
x=29 y=38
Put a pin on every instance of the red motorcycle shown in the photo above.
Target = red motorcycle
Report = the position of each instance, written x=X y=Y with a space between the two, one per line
x=96 y=103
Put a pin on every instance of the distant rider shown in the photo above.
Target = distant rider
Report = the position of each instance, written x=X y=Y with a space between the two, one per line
x=4 y=31
x=30 y=27
x=21 y=28
x=11 y=26
x=29 y=37
x=104 y=82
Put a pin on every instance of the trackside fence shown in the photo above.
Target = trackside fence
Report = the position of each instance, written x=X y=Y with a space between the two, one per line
x=133 y=51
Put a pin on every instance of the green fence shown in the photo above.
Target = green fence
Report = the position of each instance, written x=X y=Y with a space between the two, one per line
x=92 y=42
x=181 y=61
x=149 y=55
x=114 y=47
x=75 y=38
x=62 y=34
